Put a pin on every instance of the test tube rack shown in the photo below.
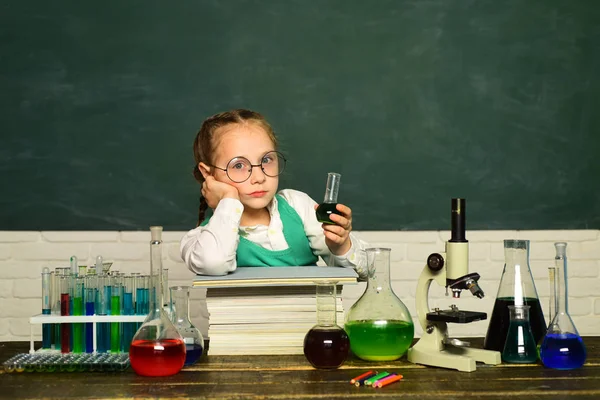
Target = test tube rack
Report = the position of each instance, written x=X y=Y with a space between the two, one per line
x=72 y=319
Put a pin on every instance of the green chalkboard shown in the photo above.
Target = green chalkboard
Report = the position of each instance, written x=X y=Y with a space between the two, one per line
x=413 y=102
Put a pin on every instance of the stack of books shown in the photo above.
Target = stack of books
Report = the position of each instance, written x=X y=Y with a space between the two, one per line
x=266 y=310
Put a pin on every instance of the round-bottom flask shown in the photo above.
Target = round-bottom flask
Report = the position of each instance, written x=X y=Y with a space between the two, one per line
x=326 y=345
x=379 y=324
x=157 y=349
x=180 y=312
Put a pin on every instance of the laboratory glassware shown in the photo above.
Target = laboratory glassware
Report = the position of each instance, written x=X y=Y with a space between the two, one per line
x=326 y=345
x=66 y=290
x=379 y=324
x=157 y=348
x=78 y=310
x=46 y=307
x=562 y=347
x=516 y=288
x=328 y=206
x=91 y=289
x=520 y=347
x=180 y=315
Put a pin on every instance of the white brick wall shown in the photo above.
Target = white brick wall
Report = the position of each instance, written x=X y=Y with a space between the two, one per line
x=23 y=255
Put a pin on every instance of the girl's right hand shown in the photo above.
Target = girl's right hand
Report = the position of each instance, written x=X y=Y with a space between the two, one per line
x=213 y=191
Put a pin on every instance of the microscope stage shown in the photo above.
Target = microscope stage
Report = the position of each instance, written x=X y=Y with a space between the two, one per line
x=456 y=316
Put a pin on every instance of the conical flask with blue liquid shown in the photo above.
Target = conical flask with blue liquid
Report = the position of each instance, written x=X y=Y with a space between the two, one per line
x=562 y=347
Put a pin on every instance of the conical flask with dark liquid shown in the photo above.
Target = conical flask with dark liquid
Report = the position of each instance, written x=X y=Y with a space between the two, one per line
x=516 y=289
x=562 y=347
x=157 y=349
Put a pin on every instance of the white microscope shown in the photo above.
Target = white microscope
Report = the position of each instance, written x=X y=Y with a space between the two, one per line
x=449 y=270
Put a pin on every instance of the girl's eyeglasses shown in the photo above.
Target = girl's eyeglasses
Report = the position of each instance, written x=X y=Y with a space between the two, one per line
x=239 y=169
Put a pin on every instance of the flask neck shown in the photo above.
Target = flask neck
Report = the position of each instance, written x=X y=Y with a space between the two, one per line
x=180 y=298
x=156 y=274
x=379 y=271
x=516 y=258
x=326 y=305
x=560 y=292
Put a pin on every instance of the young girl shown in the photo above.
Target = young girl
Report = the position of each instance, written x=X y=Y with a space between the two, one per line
x=243 y=220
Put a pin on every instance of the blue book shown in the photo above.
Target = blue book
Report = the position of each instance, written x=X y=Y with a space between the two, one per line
x=278 y=276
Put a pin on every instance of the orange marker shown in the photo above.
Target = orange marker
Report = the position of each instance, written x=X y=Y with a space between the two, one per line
x=361 y=376
x=386 y=381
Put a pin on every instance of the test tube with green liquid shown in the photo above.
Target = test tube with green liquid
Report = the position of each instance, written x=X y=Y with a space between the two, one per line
x=78 y=329
x=115 y=309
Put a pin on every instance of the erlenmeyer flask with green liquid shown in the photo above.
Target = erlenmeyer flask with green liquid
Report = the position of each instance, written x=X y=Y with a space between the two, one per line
x=157 y=349
x=379 y=324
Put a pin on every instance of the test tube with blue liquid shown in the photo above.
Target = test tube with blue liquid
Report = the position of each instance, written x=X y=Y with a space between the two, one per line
x=91 y=290
x=103 y=308
x=46 y=307
x=141 y=297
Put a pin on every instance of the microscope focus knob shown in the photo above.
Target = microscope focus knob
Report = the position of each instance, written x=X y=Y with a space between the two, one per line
x=435 y=262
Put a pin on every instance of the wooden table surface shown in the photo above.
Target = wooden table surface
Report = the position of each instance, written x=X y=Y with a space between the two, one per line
x=291 y=377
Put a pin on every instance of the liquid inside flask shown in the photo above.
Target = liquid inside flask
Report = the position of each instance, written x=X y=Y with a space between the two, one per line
x=326 y=345
x=180 y=311
x=328 y=206
x=520 y=347
x=562 y=347
x=379 y=324
x=516 y=289
x=157 y=348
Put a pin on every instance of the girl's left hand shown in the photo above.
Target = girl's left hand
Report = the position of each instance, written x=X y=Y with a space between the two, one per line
x=337 y=237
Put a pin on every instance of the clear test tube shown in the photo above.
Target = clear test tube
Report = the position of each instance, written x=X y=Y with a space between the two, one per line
x=129 y=328
x=115 y=309
x=91 y=290
x=46 y=307
x=65 y=303
x=78 y=310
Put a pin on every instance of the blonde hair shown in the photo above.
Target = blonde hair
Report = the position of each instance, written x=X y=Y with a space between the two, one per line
x=206 y=141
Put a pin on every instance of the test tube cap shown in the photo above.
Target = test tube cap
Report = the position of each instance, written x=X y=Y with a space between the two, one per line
x=156 y=232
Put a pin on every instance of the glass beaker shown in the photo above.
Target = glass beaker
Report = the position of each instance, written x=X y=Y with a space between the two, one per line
x=516 y=288
x=180 y=311
x=562 y=347
x=520 y=346
x=379 y=324
x=157 y=349
x=326 y=345
x=328 y=206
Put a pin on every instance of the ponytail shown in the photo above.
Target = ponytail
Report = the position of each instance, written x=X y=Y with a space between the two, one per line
x=202 y=210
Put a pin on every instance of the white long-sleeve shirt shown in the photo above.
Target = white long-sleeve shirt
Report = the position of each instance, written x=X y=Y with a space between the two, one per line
x=211 y=249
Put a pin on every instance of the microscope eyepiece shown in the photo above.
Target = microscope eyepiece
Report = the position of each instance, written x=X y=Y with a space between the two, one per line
x=458 y=221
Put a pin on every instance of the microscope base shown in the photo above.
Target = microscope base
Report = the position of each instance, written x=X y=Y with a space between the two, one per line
x=459 y=358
